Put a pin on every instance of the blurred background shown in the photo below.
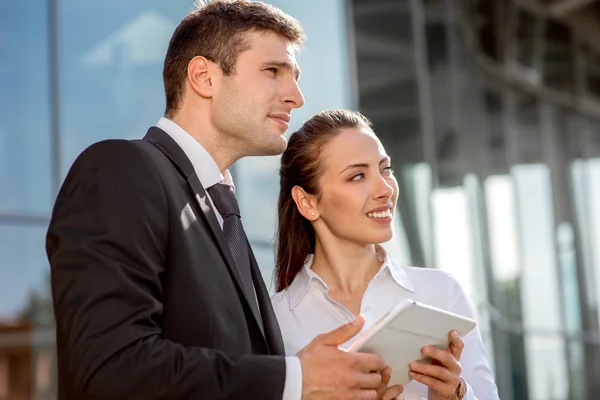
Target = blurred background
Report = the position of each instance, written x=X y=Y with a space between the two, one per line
x=489 y=109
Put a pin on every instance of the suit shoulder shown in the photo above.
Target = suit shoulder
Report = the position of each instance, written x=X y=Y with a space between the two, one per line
x=112 y=155
x=109 y=150
x=110 y=164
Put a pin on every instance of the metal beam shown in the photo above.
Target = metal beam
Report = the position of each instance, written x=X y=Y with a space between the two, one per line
x=560 y=8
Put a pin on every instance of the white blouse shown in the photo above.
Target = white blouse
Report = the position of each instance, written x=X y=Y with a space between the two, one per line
x=305 y=310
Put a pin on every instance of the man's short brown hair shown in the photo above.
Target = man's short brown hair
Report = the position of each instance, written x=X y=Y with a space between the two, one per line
x=216 y=31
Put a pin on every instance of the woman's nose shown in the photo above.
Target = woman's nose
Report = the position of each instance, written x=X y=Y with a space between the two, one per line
x=384 y=188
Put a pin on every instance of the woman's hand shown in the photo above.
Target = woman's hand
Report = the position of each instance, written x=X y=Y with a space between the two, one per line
x=442 y=377
x=388 y=393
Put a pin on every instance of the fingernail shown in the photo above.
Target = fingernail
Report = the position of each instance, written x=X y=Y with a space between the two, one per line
x=426 y=350
x=411 y=373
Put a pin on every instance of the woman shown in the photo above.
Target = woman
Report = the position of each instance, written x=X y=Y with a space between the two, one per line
x=336 y=204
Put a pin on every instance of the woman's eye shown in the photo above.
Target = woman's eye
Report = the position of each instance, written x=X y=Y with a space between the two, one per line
x=388 y=170
x=358 y=177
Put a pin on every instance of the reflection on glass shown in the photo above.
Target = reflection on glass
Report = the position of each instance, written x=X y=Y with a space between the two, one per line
x=540 y=291
x=26 y=323
x=111 y=70
x=25 y=173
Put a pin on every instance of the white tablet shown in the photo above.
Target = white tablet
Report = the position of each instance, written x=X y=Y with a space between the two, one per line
x=399 y=336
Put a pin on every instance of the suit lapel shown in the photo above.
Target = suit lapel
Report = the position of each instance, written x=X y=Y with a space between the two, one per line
x=171 y=149
x=271 y=326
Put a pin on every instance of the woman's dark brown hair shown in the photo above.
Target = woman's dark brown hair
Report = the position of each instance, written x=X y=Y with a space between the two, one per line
x=301 y=166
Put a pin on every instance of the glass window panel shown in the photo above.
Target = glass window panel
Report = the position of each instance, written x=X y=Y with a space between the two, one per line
x=583 y=195
x=453 y=236
x=386 y=59
x=526 y=39
x=593 y=145
x=495 y=158
x=529 y=145
x=25 y=170
x=534 y=200
x=257 y=177
x=540 y=290
x=547 y=377
x=111 y=69
x=413 y=233
x=593 y=181
x=25 y=313
x=485 y=13
x=591 y=64
x=503 y=233
x=558 y=67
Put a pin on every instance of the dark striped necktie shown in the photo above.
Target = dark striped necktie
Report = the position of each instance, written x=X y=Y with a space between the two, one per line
x=224 y=199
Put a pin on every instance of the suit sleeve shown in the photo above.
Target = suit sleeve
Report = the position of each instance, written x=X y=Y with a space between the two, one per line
x=106 y=244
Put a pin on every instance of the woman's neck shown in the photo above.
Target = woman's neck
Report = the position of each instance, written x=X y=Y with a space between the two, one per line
x=346 y=268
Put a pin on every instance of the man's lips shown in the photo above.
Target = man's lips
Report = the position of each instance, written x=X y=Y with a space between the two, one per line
x=281 y=118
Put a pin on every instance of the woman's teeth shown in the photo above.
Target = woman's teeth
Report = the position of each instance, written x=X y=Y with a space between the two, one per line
x=381 y=214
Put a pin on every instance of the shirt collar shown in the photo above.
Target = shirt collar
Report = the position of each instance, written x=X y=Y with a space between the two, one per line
x=204 y=164
x=306 y=276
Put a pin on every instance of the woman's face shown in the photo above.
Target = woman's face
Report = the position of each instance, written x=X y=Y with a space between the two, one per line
x=358 y=188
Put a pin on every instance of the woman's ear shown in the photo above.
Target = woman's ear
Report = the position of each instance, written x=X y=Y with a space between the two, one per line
x=306 y=203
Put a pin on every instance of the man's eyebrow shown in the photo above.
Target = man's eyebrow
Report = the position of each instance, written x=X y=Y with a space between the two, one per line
x=285 y=65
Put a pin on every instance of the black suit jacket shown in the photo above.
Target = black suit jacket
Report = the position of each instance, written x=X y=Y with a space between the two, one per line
x=147 y=298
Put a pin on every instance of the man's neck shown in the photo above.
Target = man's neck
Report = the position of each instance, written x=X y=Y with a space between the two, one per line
x=203 y=132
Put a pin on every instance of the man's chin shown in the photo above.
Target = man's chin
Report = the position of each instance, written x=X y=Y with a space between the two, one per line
x=275 y=148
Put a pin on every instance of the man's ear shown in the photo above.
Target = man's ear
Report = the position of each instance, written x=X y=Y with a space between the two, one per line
x=306 y=203
x=202 y=75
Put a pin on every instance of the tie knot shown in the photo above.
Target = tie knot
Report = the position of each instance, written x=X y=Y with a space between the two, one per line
x=224 y=199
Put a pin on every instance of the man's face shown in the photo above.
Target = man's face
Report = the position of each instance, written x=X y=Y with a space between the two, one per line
x=253 y=106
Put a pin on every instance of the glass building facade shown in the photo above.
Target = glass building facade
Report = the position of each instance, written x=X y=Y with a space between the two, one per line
x=489 y=109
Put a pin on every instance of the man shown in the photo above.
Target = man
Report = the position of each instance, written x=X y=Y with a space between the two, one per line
x=156 y=291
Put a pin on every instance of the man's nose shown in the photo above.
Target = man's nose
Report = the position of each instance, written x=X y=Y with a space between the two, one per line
x=294 y=96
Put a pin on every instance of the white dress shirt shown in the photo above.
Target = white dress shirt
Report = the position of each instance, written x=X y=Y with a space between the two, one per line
x=305 y=310
x=209 y=174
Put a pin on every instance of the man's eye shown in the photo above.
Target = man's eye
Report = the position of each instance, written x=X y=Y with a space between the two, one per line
x=273 y=70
